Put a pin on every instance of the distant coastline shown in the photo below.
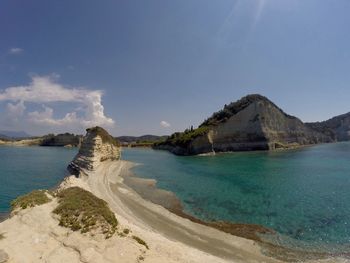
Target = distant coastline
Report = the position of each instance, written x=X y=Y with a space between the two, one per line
x=59 y=140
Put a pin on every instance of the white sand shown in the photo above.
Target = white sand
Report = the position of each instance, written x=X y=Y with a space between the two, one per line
x=24 y=142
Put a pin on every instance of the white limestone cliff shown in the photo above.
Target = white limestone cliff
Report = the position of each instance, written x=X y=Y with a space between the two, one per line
x=97 y=146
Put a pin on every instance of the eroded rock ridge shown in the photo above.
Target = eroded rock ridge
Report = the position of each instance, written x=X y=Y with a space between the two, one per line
x=97 y=146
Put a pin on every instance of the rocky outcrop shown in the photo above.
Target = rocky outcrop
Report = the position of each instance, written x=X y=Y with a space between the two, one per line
x=61 y=140
x=97 y=146
x=252 y=123
x=338 y=128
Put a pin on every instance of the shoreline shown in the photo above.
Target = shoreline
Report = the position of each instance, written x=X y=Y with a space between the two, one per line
x=4 y=216
x=276 y=150
x=107 y=183
x=147 y=189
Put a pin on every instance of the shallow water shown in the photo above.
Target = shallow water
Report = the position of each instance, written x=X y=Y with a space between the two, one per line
x=23 y=169
x=303 y=194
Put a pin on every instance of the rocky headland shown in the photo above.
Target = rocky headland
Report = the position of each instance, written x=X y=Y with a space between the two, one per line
x=254 y=123
x=97 y=146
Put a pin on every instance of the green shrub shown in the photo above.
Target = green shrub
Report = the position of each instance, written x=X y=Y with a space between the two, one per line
x=105 y=136
x=140 y=241
x=36 y=197
x=81 y=210
x=184 y=138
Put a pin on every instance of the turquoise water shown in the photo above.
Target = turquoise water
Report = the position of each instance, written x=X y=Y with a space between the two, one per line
x=23 y=169
x=303 y=194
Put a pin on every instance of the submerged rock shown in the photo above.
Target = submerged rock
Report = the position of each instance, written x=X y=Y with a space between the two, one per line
x=97 y=146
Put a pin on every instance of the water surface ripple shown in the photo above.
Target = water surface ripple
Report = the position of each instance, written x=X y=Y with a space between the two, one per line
x=303 y=194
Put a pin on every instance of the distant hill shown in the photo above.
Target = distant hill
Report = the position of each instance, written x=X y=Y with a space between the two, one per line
x=141 y=139
x=338 y=128
x=14 y=134
x=65 y=139
x=5 y=138
x=251 y=123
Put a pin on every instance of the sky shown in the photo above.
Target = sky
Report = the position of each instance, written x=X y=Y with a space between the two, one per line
x=160 y=66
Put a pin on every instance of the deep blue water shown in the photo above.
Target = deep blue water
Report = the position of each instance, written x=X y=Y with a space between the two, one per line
x=23 y=169
x=303 y=194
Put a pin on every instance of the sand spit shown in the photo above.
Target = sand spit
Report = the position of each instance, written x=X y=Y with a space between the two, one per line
x=154 y=219
x=33 y=235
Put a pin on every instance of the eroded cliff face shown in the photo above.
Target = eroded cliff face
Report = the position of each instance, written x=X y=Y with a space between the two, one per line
x=97 y=146
x=338 y=128
x=260 y=126
x=252 y=123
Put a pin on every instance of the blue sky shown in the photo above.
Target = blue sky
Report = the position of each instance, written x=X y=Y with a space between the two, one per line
x=133 y=65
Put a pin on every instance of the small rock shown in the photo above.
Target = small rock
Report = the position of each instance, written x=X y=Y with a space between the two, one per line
x=3 y=256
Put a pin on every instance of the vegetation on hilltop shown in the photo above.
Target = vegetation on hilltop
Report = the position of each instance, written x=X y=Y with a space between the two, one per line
x=34 y=198
x=81 y=210
x=141 y=139
x=106 y=137
x=5 y=138
x=235 y=107
x=184 y=138
x=61 y=139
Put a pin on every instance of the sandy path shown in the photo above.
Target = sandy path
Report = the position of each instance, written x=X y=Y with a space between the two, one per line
x=151 y=219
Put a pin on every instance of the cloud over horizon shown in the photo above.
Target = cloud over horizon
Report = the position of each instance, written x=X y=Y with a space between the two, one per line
x=15 y=50
x=43 y=91
x=165 y=124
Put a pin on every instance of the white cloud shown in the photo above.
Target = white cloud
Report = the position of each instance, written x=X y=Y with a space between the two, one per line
x=15 y=110
x=165 y=124
x=46 y=90
x=15 y=50
x=46 y=117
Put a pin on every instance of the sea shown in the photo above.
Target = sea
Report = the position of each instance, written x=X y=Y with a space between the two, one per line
x=23 y=169
x=302 y=194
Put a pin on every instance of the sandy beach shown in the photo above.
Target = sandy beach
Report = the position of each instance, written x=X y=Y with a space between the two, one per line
x=24 y=142
x=160 y=227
